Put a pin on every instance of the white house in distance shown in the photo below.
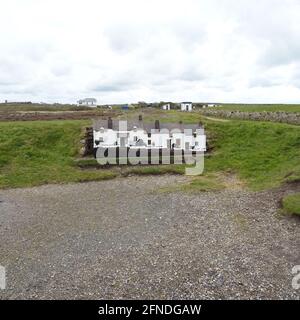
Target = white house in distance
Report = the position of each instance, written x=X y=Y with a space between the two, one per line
x=87 y=102
x=140 y=135
x=166 y=106
x=186 y=106
x=211 y=105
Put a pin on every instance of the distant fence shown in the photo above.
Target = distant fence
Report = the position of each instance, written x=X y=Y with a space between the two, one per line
x=284 y=117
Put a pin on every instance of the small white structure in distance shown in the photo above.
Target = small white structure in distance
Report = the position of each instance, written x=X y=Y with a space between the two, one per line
x=166 y=106
x=186 y=106
x=211 y=105
x=87 y=102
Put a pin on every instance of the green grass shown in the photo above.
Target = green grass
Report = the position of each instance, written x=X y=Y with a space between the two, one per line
x=134 y=169
x=201 y=183
x=172 y=116
x=232 y=107
x=261 y=154
x=264 y=154
x=155 y=169
x=259 y=107
x=291 y=204
x=34 y=153
x=150 y=115
x=204 y=183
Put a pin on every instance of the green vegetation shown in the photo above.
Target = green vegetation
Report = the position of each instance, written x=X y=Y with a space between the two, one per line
x=155 y=170
x=260 y=107
x=261 y=154
x=125 y=170
x=291 y=204
x=204 y=183
x=154 y=111
x=170 y=116
x=264 y=154
x=34 y=153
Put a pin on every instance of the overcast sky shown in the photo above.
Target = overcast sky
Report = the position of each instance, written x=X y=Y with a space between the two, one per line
x=140 y=50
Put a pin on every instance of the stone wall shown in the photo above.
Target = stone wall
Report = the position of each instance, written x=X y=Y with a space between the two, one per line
x=87 y=146
x=284 y=117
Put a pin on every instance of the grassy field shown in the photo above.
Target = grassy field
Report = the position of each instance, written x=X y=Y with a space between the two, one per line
x=291 y=204
x=12 y=107
x=260 y=107
x=264 y=155
x=40 y=152
x=166 y=116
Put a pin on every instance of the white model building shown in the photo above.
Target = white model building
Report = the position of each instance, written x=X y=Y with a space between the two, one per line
x=166 y=106
x=173 y=136
x=88 y=102
x=186 y=106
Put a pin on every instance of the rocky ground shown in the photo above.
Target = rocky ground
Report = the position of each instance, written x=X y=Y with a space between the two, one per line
x=125 y=239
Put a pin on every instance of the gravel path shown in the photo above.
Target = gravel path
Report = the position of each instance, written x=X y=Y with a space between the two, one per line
x=125 y=239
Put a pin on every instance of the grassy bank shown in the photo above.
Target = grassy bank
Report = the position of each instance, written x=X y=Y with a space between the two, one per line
x=264 y=155
x=291 y=204
x=40 y=152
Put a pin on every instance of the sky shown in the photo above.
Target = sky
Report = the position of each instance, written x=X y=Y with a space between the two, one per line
x=126 y=51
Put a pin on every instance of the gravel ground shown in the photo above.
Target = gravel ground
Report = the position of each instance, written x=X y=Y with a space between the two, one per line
x=125 y=239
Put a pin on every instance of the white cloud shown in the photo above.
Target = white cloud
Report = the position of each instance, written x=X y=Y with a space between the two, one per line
x=126 y=51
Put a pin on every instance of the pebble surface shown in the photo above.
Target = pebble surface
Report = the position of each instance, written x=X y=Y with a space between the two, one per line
x=124 y=239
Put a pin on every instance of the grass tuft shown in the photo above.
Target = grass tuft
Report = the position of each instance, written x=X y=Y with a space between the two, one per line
x=291 y=204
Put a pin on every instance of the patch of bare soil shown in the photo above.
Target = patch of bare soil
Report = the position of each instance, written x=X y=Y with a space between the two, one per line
x=216 y=119
x=231 y=181
x=54 y=115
